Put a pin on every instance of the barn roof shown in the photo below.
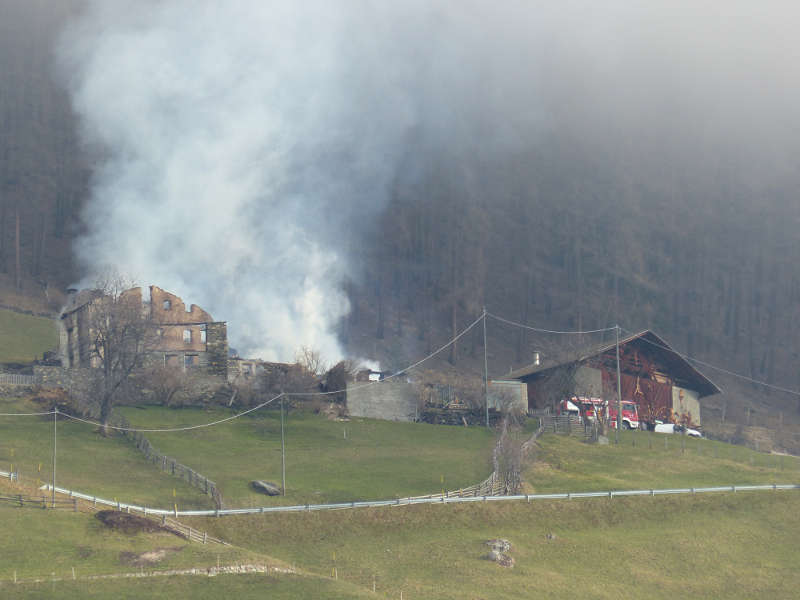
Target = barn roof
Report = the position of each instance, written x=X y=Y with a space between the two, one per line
x=674 y=363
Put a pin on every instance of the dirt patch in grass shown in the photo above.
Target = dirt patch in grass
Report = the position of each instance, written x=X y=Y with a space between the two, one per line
x=127 y=523
x=149 y=557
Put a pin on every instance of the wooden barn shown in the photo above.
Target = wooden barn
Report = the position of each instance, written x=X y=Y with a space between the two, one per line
x=664 y=384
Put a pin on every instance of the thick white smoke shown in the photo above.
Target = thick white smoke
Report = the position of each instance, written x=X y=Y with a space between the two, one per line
x=241 y=146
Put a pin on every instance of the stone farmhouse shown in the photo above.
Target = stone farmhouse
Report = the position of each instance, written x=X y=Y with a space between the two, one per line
x=187 y=337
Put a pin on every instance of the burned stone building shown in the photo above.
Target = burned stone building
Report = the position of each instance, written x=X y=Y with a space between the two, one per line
x=185 y=336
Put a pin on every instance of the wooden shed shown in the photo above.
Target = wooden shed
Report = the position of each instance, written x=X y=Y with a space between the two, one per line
x=664 y=384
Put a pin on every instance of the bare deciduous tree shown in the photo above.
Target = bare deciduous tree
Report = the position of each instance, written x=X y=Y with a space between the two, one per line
x=311 y=360
x=168 y=385
x=121 y=333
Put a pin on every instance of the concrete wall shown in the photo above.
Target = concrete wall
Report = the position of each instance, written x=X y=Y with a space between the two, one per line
x=686 y=402
x=388 y=400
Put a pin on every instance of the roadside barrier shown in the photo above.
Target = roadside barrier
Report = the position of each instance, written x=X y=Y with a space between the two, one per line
x=409 y=501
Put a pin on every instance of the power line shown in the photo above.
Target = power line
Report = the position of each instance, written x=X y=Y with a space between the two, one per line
x=36 y=414
x=720 y=369
x=515 y=324
x=400 y=372
x=263 y=404
x=174 y=429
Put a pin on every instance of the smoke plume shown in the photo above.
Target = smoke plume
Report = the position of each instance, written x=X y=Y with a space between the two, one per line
x=241 y=148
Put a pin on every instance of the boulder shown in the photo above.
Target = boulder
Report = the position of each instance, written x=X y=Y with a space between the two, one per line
x=498 y=552
x=266 y=487
x=499 y=545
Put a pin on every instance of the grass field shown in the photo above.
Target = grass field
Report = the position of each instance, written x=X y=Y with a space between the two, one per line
x=326 y=461
x=86 y=461
x=240 y=587
x=740 y=545
x=729 y=545
x=24 y=337
x=55 y=541
x=649 y=460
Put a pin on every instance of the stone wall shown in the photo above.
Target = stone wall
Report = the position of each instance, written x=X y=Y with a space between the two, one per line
x=77 y=381
x=388 y=400
x=217 y=349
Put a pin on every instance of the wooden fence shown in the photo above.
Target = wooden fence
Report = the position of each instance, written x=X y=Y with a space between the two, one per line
x=170 y=465
x=567 y=425
x=23 y=500
x=16 y=379
x=494 y=485
x=191 y=534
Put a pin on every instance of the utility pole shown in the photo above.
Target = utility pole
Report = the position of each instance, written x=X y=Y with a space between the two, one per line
x=283 y=454
x=619 y=391
x=485 y=369
x=55 y=421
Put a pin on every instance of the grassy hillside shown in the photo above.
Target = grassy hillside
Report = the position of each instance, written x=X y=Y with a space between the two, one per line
x=86 y=461
x=326 y=461
x=729 y=545
x=24 y=337
x=241 y=587
x=58 y=540
x=650 y=460
x=722 y=545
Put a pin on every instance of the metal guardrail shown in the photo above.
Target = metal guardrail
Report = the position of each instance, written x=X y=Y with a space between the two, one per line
x=409 y=501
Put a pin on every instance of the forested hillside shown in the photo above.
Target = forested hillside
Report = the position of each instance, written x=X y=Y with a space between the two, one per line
x=646 y=208
x=43 y=176
x=707 y=262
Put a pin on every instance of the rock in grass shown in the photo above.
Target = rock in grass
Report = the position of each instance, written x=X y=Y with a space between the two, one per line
x=499 y=545
x=499 y=548
x=266 y=487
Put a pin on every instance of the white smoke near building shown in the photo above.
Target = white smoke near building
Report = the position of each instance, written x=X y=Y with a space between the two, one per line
x=237 y=145
x=241 y=148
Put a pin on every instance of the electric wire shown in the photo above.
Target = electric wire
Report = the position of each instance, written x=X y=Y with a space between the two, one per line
x=173 y=429
x=34 y=414
x=400 y=372
x=263 y=404
x=720 y=369
x=537 y=329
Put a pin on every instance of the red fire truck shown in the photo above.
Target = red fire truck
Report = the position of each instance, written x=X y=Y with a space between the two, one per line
x=591 y=408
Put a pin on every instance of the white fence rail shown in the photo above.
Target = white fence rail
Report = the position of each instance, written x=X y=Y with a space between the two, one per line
x=15 y=379
x=408 y=501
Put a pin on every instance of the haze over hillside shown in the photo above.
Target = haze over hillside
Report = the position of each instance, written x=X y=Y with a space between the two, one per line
x=365 y=180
